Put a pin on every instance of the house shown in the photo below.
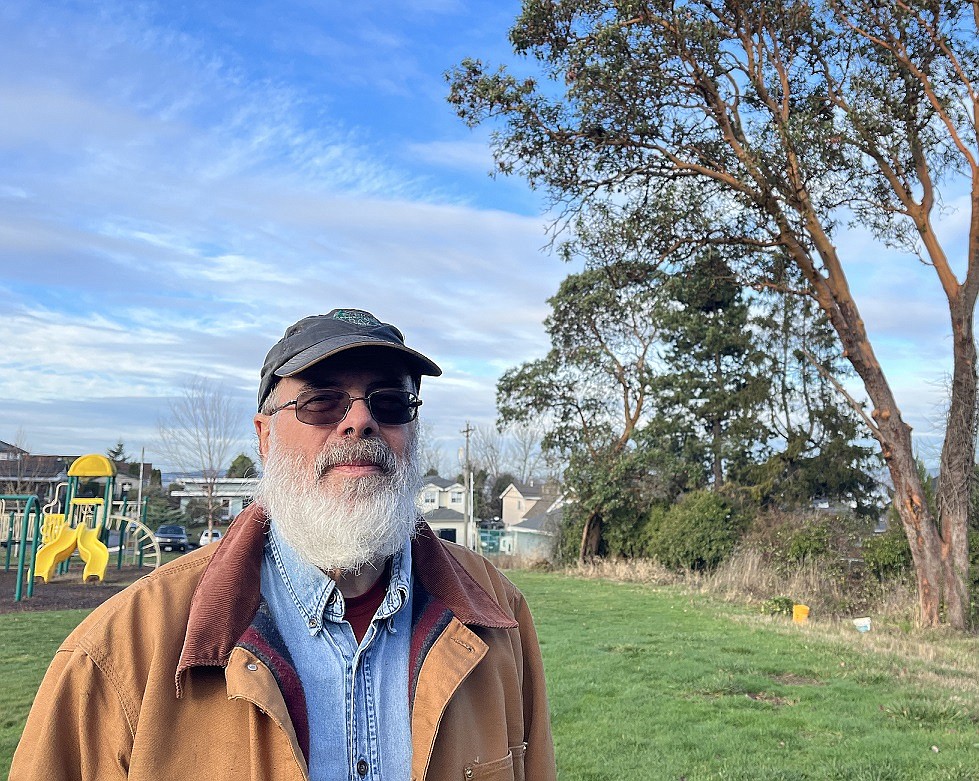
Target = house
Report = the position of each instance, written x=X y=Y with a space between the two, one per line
x=536 y=536
x=439 y=492
x=443 y=505
x=451 y=525
x=231 y=494
x=521 y=500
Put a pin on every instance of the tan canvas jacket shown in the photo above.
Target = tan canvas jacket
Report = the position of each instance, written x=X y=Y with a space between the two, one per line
x=178 y=677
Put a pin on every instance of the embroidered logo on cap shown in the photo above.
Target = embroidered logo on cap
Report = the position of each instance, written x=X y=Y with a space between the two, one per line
x=356 y=317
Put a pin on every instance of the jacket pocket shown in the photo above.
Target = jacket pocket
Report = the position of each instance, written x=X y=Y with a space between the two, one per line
x=509 y=768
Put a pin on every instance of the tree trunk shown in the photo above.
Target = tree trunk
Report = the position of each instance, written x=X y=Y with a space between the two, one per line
x=892 y=433
x=717 y=442
x=894 y=436
x=717 y=466
x=919 y=524
x=955 y=473
x=591 y=538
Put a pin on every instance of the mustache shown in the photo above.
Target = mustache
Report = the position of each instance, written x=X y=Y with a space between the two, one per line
x=367 y=451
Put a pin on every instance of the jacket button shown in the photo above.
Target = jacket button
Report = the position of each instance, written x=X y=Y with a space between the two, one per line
x=362 y=768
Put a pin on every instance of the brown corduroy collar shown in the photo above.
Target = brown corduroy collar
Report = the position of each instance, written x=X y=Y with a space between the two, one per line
x=228 y=594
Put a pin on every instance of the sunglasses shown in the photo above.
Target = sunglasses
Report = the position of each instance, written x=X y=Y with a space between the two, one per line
x=326 y=407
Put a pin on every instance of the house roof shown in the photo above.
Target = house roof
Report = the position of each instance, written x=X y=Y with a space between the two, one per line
x=548 y=522
x=440 y=482
x=444 y=514
x=533 y=489
x=7 y=448
x=34 y=468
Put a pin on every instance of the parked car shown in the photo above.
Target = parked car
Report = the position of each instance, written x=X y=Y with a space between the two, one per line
x=172 y=537
x=209 y=536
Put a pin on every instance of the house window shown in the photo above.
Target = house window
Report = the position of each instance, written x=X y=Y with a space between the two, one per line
x=447 y=534
x=456 y=497
x=431 y=498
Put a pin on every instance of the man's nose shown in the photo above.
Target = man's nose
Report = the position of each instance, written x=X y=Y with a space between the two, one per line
x=359 y=422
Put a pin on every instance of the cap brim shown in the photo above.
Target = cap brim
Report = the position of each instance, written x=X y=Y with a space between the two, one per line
x=330 y=347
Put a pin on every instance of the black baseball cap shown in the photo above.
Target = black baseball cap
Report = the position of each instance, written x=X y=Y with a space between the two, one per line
x=317 y=337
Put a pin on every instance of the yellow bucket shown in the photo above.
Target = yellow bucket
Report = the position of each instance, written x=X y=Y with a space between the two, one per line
x=800 y=613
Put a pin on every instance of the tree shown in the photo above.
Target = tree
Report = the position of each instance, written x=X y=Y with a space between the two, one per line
x=593 y=390
x=117 y=454
x=242 y=466
x=203 y=426
x=525 y=455
x=430 y=454
x=766 y=124
x=716 y=378
x=822 y=451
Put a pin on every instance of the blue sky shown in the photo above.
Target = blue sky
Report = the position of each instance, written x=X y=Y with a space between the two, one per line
x=179 y=182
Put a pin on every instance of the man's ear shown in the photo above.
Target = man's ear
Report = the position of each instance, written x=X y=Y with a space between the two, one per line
x=263 y=428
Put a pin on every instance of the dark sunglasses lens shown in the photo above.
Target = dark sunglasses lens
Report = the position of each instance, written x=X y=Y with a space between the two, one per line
x=321 y=408
x=392 y=408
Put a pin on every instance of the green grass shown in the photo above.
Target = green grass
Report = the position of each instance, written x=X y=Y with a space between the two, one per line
x=28 y=642
x=652 y=683
x=656 y=684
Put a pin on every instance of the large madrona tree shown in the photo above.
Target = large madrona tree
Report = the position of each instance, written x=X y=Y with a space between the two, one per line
x=768 y=123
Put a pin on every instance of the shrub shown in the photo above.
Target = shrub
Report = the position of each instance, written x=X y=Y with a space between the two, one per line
x=809 y=542
x=888 y=554
x=778 y=606
x=697 y=533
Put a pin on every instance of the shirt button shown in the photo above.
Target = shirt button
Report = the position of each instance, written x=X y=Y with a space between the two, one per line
x=362 y=768
x=252 y=666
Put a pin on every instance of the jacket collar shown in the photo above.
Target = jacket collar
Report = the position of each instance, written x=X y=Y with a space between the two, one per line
x=228 y=594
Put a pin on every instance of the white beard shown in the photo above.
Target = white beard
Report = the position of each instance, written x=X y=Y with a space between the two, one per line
x=341 y=527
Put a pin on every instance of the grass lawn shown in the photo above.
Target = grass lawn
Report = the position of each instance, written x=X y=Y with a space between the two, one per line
x=652 y=683
x=656 y=684
x=28 y=642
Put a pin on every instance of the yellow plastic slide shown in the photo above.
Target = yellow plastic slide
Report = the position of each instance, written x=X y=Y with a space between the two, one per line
x=93 y=552
x=55 y=552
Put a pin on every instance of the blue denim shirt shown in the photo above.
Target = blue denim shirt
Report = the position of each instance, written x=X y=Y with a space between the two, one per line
x=356 y=695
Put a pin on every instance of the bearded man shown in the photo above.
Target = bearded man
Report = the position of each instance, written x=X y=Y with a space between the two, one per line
x=330 y=634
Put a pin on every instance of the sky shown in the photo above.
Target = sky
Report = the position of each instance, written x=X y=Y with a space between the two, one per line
x=179 y=182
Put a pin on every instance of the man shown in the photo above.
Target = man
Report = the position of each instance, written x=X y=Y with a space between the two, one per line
x=330 y=634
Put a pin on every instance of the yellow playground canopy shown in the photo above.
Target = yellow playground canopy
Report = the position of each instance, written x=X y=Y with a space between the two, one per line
x=92 y=465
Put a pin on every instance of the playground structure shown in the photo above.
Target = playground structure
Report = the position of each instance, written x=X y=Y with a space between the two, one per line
x=46 y=538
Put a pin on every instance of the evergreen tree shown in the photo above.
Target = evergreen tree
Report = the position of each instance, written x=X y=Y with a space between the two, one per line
x=716 y=381
x=242 y=466
x=817 y=450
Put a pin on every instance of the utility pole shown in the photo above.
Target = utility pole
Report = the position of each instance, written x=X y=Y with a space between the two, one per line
x=468 y=430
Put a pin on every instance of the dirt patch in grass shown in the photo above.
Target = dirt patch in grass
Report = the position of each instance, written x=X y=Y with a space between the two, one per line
x=790 y=679
x=65 y=592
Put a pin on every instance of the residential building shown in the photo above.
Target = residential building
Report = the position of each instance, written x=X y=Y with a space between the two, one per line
x=232 y=494
x=449 y=525
x=443 y=505
x=439 y=492
x=535 y=537
x=521 y=500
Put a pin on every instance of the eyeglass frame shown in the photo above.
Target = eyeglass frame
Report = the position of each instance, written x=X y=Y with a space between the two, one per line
x=413 y=404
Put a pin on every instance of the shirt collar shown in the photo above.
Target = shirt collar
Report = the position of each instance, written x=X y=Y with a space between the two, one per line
x=315 y=593
x=228 y=592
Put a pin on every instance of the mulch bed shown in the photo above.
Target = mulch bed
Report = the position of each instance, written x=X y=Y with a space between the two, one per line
x=65 y=592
